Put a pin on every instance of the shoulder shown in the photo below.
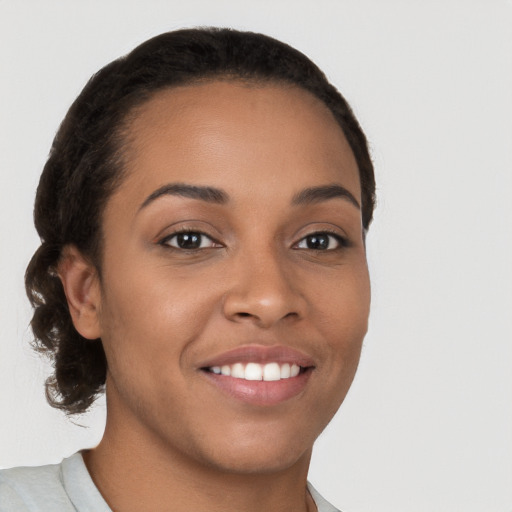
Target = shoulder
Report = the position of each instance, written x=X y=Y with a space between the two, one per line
x=321 y=503
x=66 y=487
x=30 y=488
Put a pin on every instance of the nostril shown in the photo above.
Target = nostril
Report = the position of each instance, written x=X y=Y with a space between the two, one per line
x=242 y=314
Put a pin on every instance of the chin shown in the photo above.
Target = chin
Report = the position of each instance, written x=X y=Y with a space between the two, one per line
x=258 y=453
x=245 y=462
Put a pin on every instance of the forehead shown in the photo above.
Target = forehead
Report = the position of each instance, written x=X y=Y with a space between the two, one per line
x=221 y=132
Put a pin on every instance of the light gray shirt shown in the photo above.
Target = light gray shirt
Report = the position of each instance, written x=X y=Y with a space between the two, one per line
x=68 y=487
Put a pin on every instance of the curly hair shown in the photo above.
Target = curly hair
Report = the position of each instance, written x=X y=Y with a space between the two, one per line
x=85 y=166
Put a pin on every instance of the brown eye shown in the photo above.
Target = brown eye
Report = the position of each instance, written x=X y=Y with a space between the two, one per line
x=321 y=242
x=189 y=240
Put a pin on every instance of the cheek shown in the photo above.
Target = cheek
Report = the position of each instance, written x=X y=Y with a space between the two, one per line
x=342 y=318
x=345 y=305
x=152 y=316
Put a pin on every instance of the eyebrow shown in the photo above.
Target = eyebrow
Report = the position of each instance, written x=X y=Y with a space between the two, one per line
x=324 y=193
x=208 y=194
x=217 y=196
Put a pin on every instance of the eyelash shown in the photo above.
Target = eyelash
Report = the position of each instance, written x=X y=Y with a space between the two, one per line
x=165 y=241
x=341 y=241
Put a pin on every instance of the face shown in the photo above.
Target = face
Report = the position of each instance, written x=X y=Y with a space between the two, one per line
x=234 y=291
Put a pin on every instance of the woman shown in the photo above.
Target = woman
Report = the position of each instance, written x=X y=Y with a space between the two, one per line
x=203 y=215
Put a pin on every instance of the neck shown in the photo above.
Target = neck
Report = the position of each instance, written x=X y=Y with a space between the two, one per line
x=135 y=471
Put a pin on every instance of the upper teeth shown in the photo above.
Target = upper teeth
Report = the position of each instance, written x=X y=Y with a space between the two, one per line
x=255 y=371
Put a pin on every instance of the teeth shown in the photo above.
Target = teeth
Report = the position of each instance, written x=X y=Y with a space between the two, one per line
x=271 y=371
x=238 y=371
x=254 y=371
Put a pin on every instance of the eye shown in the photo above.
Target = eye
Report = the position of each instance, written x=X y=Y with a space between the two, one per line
x=321 y=242
x=189 y=240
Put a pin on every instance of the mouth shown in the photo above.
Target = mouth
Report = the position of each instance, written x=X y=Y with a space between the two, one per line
x=269 y=372
x=261 y=376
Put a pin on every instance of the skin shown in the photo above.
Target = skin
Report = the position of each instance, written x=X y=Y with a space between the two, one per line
x=171 y=436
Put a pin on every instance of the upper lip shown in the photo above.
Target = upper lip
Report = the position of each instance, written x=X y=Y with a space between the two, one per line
x=260 y=354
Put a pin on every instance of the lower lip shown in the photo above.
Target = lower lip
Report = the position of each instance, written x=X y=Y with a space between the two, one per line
x=259 y=392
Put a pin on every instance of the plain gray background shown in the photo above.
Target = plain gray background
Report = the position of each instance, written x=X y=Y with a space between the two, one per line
x=427 y=426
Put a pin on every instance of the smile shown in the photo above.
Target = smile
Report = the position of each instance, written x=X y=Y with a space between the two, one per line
x=259 y=375
x=268 y=372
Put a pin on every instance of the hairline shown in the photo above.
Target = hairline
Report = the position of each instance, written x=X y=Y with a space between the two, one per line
x=123 y=134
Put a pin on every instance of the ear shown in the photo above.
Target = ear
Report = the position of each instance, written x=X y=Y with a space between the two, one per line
x=82 y=288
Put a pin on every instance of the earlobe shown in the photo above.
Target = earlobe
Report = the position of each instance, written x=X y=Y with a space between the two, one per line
x=81 y=285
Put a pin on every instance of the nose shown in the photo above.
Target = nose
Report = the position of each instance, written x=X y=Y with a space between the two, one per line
x=263 y=291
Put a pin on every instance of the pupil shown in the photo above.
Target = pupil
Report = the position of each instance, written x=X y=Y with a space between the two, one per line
x=318 y=242
x=189 y=240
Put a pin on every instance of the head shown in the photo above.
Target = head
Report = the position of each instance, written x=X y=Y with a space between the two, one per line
x=92 y=157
